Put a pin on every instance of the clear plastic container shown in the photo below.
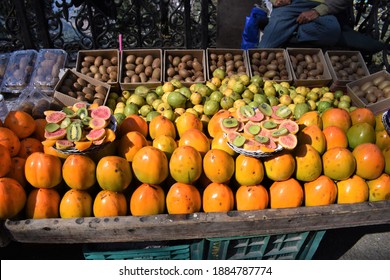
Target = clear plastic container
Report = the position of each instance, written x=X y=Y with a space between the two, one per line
x=47 y=68
x=19 y=70
x=34 y=102
x=3 y=65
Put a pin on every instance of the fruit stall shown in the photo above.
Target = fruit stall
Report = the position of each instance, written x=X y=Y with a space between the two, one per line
x=192 y=154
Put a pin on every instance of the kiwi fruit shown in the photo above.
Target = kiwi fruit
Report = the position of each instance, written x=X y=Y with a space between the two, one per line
x=269 y=124
x=239 y=141
x=266 y=109
x=65 y=123
x=254 y=129
x=283 y=111
x=280 y=132
x=51 y=127
x=247 y=111
x=306 y=66
x=261 y=139
x=269 y=65
x=230 y=122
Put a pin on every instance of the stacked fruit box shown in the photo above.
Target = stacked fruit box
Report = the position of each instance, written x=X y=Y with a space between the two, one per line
x=141 y=67
x=345 y=67
x=233 y=61
x=271 y=64
x=372 y=91
x=75 y=86
x=309 y=67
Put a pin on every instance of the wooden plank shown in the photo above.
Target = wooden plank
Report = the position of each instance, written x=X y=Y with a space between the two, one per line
x=199 y=225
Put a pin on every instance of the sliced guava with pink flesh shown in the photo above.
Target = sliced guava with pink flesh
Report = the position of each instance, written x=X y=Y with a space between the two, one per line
x=252 y=128
x=288 y=141
x=270 y=144
x=56 y=117
x=274 y=115
x=55 y=135
x=291 y=126
x=259 y=116
x=232 y=135
x=99 y=142
x=102 y=112
x=64 y=144
x=252 y=145
x=79 y=105
x=96 y=134
x=96 y=123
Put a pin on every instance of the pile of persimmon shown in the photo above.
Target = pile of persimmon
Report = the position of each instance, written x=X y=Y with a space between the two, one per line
x=187 y=166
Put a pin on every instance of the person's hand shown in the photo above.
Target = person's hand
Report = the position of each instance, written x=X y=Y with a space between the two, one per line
x=279 y=3
x=307 y=16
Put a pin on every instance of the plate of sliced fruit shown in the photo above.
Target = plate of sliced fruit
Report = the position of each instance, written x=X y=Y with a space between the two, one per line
x=261 y=131
x=80 y=129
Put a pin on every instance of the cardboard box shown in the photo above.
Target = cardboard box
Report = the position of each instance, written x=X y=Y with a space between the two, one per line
x=155 y=53
x=65 y=99
x=110 y=54
x=350 y=61
x=223 y=53
x=195 y=53
x=377 y=107
x=325 y=79
x=252 y=72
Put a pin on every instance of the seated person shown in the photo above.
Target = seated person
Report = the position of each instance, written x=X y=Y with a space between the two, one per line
x=321 y=23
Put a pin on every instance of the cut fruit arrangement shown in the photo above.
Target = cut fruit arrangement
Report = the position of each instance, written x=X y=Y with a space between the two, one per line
x=262 y=130
x=79 y=128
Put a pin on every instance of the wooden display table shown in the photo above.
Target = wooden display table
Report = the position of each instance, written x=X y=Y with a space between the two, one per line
x=198 y=225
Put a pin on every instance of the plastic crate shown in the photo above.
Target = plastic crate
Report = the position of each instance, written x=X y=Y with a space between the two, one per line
x=292 y=246
x=145 y=251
